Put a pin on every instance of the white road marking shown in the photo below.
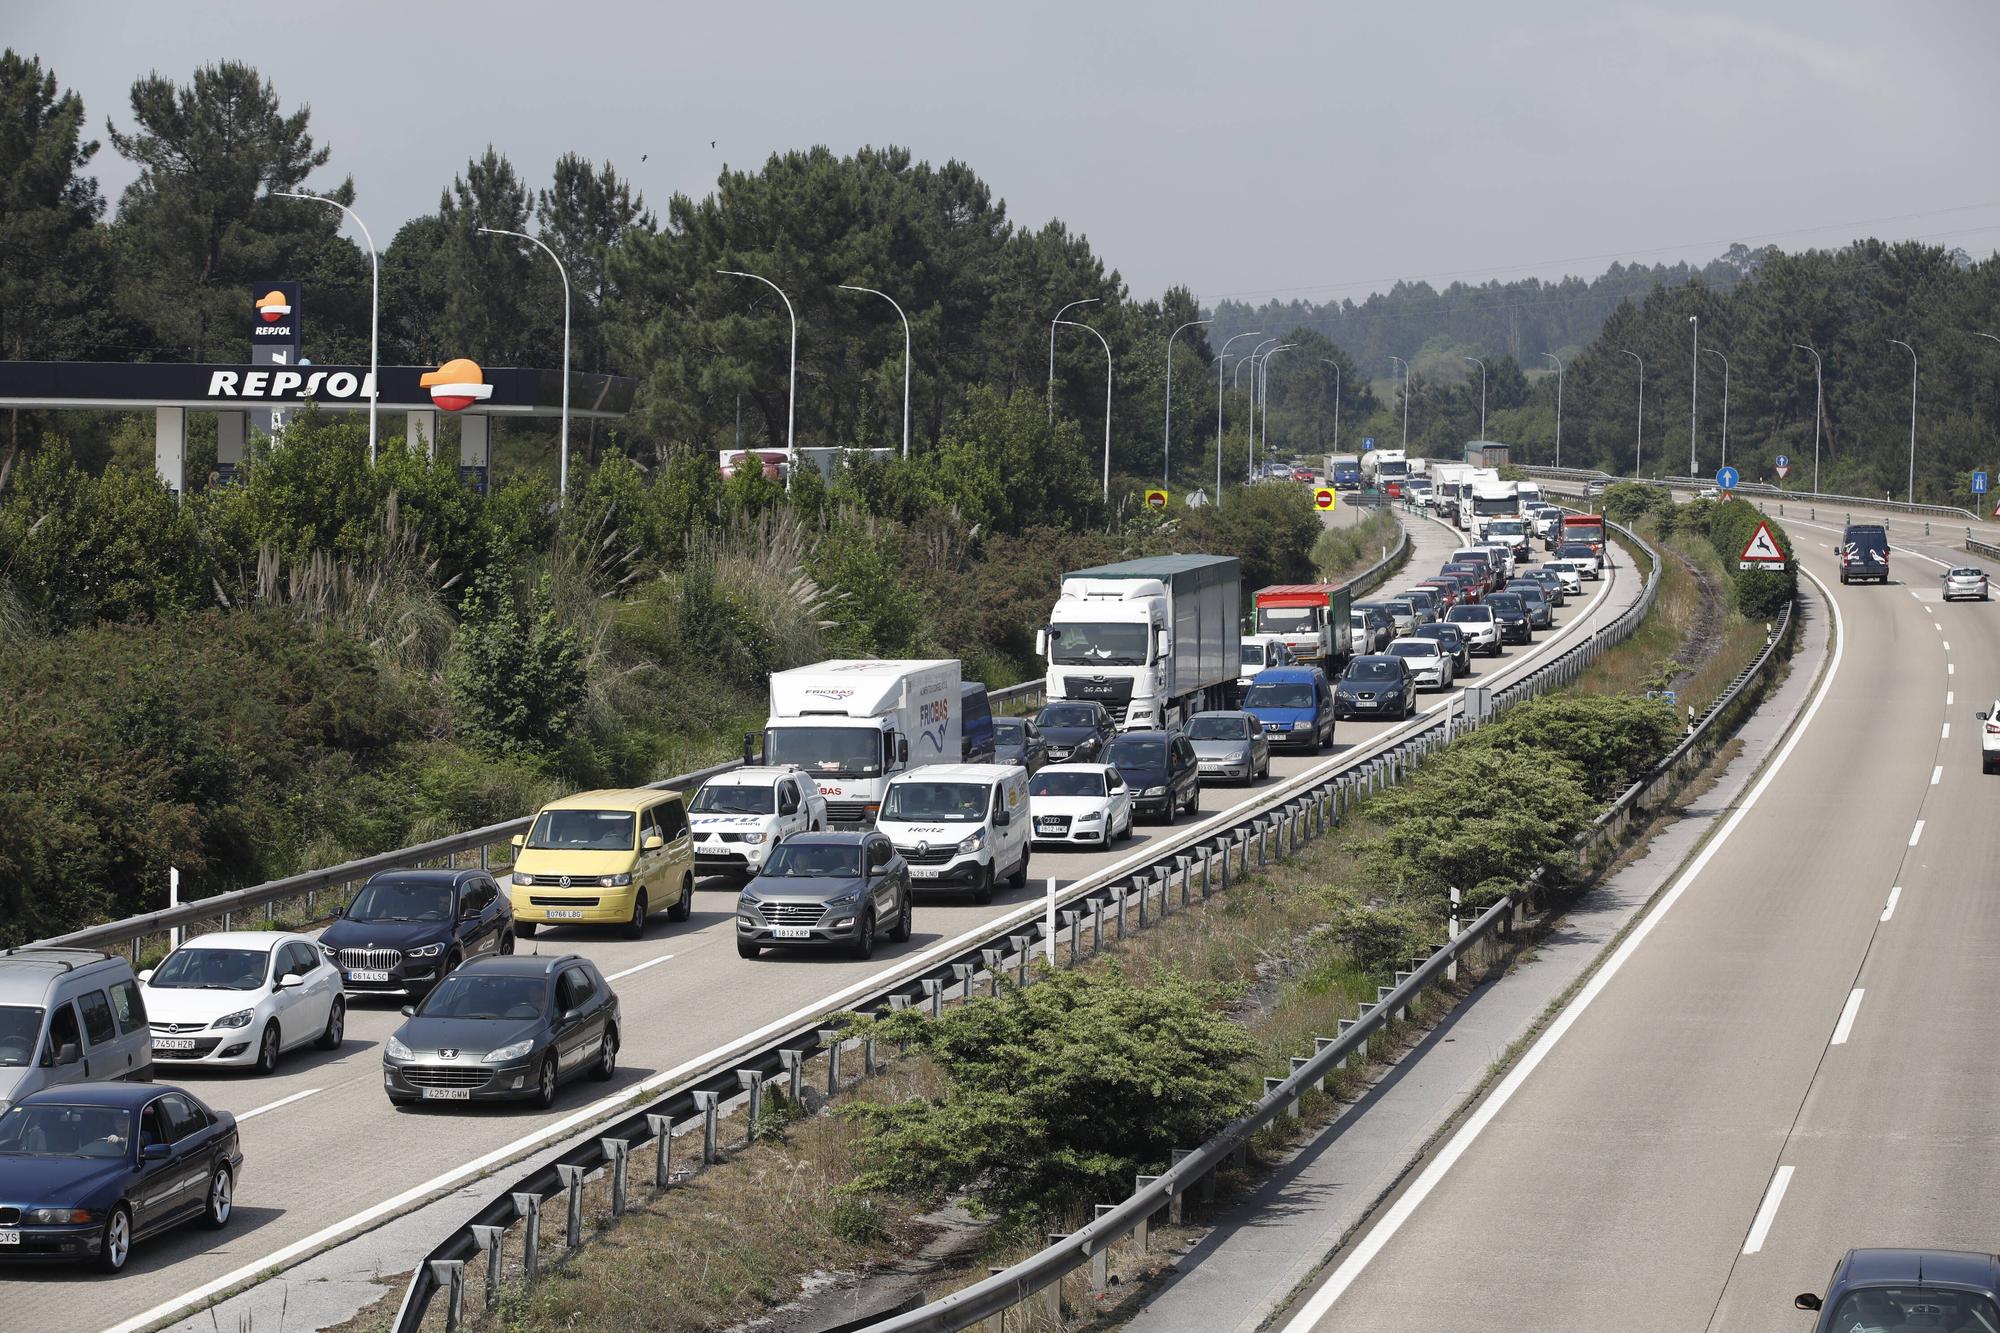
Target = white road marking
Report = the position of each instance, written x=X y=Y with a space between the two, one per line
x=1916 y=833
x=641 y=967
x=1767 y=1213
x=1379 y=1236
x=1937 y=774
x=1939 y=628
x=1947 y=732
x=282 y=1101
x=1947 y=645
x=1951 y=668
x=1947 y=698
x=1894 y=894
x=1846 y=1023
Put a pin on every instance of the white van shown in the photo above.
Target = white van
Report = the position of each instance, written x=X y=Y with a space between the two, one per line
x=960 y=826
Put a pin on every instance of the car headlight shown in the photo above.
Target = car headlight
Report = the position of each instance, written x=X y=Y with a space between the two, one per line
x=240 y=1019
x=973 y=843
x=614 y=881
x=57 y=1216
x=332 y=953
x=1301 y=726
x=1154 y=791
x=844 y=900
x=752 y=838
x=1090 y=818
x=426 y=951
x=511 y=1051
x=747 y=900
x=521 y=877
x=397 y=1051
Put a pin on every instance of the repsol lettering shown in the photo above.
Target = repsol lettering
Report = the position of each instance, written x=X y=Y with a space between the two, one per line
x=288 y=384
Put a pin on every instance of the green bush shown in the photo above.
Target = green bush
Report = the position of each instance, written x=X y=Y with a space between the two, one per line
x=1627 y=502
x=1475 y=813
x=1758 y=593
x=519 y=678
x=1381 y=938
x=1610 y=740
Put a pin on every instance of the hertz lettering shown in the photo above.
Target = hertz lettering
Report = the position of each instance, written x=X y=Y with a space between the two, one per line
x=289 y=384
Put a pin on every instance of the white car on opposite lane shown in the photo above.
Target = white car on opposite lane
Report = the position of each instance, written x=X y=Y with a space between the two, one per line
x=1090 y=804
x=240 y=998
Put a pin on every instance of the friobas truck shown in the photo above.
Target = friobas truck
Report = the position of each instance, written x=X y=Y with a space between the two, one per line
x=853 y=724
x=1155 y=641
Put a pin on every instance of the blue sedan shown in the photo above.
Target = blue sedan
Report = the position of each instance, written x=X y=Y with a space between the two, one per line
x=88 y=1168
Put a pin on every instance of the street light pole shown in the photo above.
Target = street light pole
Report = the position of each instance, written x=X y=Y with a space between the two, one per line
x=1694 y=396
x=374 y=310
x=792 y=391
x=1819 y=406
x=1639 y=443
x=562 y=470
x=1910 y=497
x=1559 y=405
x=1482 y=392
x=1107 y=402
x=1336 y=402
x=1167 y=438
x=1406 y=402
x=1725 y=401
x=1220 y=357
x=1052 y=350
x=1250 y=447
x=906 y=356
x=1264 y=392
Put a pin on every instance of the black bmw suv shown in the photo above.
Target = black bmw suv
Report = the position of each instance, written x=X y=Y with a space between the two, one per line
x=407 y=929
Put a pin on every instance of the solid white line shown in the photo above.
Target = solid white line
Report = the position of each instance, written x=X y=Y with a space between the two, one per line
x=1937 y=774
x=282 y=1101
x=641 y=967
x=1846 y=1023
x=1890 y=910
x=1768 y=1212
x=1384 y=1231
x=1916 y=833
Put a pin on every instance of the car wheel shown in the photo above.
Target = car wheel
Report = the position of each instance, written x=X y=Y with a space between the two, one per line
x=506 y=943
x=747 y=948
x=683 y=909
x=607 y=1057
x=525 y=929
x=267 y=1050
x=1019 y=879
x=221 y=1200
x=547 y=1082
x=905 y=920
x=864 y=933
x=982 y=888
x=114 y=1243
x=636 y=927
x=451 y=962
x=336 y=1027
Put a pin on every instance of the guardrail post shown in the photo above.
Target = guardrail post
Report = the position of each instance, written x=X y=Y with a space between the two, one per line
x=995 y=966
x=1222 y=856
x=1263 y=835
x=1186 y=866
x=964 y=972
x=1340 y=1026
x=1144 y=888
x=868 y=1065
x=619 y=1153
x=663 y=1136
x=1319 y=1046
x=529 y=1206
x=705 y=1103
x=1166 y=876
x=450 y=1274
x=1052 y=1294
x=1097 y=927
x=1175 y=1210
x=1271 y=1085
x=830 y=1038
x=1100 y=1259
x=1070 y=919
x=1404 y=1012
x=572 y=1179
x=1298 y=1062
x=934 y=992
x=1207 y=860
x=752 y=1082
x=1362 y=1011
x=1143 y=1233
x=488 y=1240
x=794 y=1061
x=1023 y=954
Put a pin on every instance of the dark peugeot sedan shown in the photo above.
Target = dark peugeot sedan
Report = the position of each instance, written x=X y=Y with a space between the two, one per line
x=1375 y=686
x=1512 y=613
x=1075 y=731
x=1161 y=769
x=1891 y=1290
x=86 y=1169
x=499 y=1029
x=1016 y=740
x=407 y=928
x=826 y=889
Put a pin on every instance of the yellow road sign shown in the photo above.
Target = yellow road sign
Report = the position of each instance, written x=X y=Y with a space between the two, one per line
x=1325 y=498
x=1156 y=499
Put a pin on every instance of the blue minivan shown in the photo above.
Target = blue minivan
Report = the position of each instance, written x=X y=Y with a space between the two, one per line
x=1294 y=705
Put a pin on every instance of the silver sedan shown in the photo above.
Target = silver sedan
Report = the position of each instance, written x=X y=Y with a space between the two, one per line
x=1230 y=745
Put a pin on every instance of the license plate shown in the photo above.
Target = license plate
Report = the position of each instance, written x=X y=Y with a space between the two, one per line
x=925 y=872
x=1364 y=703
x=1048 y=826
x=358 y=975
x=10 y=1238
x=447 y=1094
x=173 y=1043
x=791 y=932
x=565 y=914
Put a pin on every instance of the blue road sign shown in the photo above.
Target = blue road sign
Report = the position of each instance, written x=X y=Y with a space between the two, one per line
x=1784 y=461
x=1368 y=443
x=1726 y=478
x=1979 y=483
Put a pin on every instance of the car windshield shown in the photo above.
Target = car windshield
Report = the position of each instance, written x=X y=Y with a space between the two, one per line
x=834 y=752
x=955 y=802
x=1285 y=619
x=399 y=900
x=1371 y=670
x=1413 y=650
x=1506 y=601
x=19 y=1027
x=211 y=969
x=1204 y=728
x=1067 y=782
x=583 y=831
x=1067 y=715
x=1140 y=754
x=1461 y=615
x=814 y=860
x=1894 y=1309
x=49 y=1130
x=1279 y=694
x=1010 y=731
x=1253 y=655
x=718 y=798
x=1098 y=645
x=462 y=995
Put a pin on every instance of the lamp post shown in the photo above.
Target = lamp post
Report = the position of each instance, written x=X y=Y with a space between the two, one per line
x=1406 y=402
x=1052 y=350
x=1482 y=392
x=1725 y=401
x=1639 y=443
x=1559 y=405
x=562 y=469
x=792 y=389
x=1107 y=401
x=1220 y=357
x=845 y=287
x=1167 y=437
x=1819 y=404
x=1910 y=496
x=1336 y=401
x=1264 y=392
x=1694 y=394
x=1250 y=441
x=374 y=309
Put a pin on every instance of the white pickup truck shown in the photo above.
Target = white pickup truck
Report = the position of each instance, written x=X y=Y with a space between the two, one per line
x=739 y=816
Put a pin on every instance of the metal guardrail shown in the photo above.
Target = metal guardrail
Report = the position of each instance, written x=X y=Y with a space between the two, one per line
x=1987 y=549
x=1758 y=488
x=1204 y=855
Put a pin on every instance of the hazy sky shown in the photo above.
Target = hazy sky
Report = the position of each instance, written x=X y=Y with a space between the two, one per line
x=1286 y=149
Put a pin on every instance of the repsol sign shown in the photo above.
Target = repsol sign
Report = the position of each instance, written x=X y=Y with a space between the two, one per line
x=289 y=385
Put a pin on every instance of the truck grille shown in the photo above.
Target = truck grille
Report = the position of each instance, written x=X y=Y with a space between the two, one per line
x=846 y=812
x=793 y=914
x=372 y=960
x=446 y=1076
x=936 y=856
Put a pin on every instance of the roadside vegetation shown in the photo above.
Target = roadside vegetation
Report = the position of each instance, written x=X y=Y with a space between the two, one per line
x=1341 y=553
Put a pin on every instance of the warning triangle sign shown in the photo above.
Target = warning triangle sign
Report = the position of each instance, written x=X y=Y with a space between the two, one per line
x=1762 y=549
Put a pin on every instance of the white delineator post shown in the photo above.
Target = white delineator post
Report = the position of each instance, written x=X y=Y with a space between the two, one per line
x=173 y=901
x=1049 y=925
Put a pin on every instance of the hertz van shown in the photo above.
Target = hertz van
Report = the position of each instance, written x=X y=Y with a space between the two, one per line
x=960 y=826
x=603 y=858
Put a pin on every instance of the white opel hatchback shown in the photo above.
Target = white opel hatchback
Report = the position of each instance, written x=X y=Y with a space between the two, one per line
x=240 y=998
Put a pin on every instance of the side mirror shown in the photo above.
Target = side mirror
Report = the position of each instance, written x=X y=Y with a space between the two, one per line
x=902 y=750
x=1042 y=642
x=409 y=1011
x=571 y=1015
x=337 y=911
x=1002 y=820
x=1805 y=1300
x=749 y=738
x=68 y=1053
x=517 y=842
x=147 y=975
x=289 y=981
x=653 y=842
x=144 y=975
x=155 y=1152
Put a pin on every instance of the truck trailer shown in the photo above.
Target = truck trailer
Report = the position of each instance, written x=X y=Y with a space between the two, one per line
x=852 y=724
x=1153 y=640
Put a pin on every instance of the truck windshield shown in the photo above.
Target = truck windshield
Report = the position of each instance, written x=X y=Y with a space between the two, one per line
x=957 y=802
x=1392 y=467
x=1087 y=644
x=1287 y=619
x=717 y=799
x=1506 y=527
x=1253 y=654
x=832 y=752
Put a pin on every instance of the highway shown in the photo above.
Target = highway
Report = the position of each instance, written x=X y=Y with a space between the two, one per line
x=1790 y=1056
x=324 y=1151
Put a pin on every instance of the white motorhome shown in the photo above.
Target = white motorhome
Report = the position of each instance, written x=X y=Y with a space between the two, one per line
x=853 y=724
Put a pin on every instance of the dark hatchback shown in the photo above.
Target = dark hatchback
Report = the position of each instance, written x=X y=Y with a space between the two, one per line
x=826 y=890
x=1541 y=615
x=1016 y=740
x=1512 y=613
x=502 y=1029
x=1452 y=640
x=1375 y=686
x=1898 y=1289
x=1075 y=731
x=86 y=1169
x=1161 y=769
x=407 y=928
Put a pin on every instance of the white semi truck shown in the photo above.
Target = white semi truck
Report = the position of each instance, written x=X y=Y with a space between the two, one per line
x=1487 y=499
x=853 y=724
x=1379 y=467
x=1155 y=640
x=1448 y=482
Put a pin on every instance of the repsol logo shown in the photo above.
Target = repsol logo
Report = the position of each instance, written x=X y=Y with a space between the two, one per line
x=282 y=332
x=289 y=384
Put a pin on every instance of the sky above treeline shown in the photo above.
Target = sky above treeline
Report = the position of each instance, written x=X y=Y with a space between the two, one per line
x=1285 y=150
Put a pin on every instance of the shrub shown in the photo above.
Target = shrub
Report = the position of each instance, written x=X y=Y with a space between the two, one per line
x=519 y=678
x=1609 y=739
x=1473 y=814
x=1381 y=938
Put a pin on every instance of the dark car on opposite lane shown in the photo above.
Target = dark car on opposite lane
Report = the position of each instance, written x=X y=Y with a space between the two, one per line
x=1161 y=769
x=407 y=929
x=1076 y=731
x=86 y=1169
x=1017 y=740
x=1375 y=686
x=503 y=1029
x=838 y=890
x=1886 y=1291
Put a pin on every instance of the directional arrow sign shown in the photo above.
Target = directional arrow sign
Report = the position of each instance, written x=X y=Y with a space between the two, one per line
x=1726 y=478
x=1761 y=551
x=1979 y=483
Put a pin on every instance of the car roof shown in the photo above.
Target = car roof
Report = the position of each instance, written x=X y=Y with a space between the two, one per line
x=27 y=973
x=1421 y=640
x=1156 y=734
x=1959 y=1267
x=755 y=775
x=1222 y=712
x=612 y=798
x=956 y=772
x=421 y=875
x=1099 y=769
x=1286 y=675
x=123 y=1096
x=262 y=940
x=521 y=964
x=831 y=837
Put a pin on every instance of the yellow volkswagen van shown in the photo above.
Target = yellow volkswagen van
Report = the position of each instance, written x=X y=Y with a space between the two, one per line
x=604 y=858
